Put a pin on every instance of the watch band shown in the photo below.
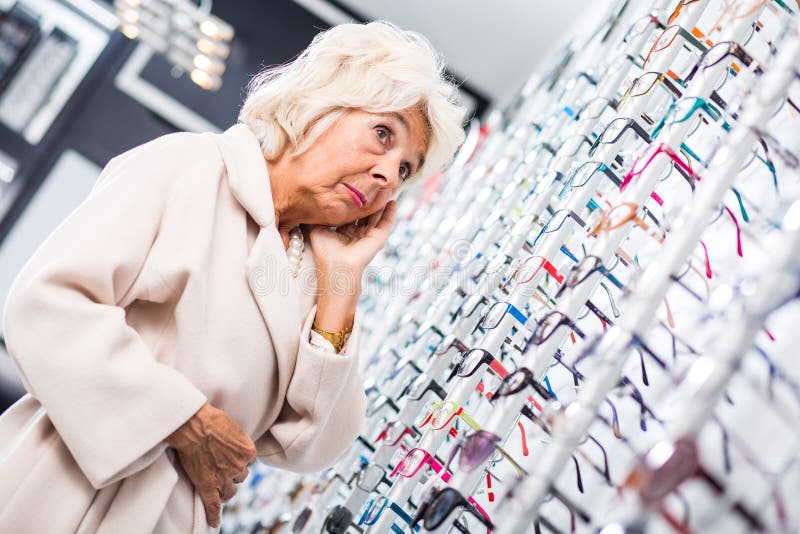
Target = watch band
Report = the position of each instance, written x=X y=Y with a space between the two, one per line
x=336 y=339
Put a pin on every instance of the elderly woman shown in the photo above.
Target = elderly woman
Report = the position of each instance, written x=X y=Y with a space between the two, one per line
x=198 y=309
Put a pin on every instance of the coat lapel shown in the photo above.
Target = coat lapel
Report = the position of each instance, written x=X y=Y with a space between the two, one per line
x=274 y=289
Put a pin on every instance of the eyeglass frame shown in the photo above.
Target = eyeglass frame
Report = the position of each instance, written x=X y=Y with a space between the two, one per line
x=491 y=436
x=571 y=282
x=468 y=504
x=629 y=123
x=538 y=339
x=662 y=148
x=605 y=224
x=681 y=31
x=569 y=215
x=734 y=49
x=457 y=412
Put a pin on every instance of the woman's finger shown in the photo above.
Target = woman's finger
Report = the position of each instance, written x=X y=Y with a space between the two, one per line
x=227 y=491
x=375 y=218
x=212 y=505
x=387 y=216
x=349 y=230
x=241 y=477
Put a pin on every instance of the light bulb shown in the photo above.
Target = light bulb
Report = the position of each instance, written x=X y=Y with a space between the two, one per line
x=206 y=80
x=209 y=28
x=128 y=15
x=209 y=65
x=216 y=29
x=211 y=48
x=130 y=31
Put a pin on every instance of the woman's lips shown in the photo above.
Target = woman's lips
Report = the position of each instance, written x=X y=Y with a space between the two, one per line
x=358 y=196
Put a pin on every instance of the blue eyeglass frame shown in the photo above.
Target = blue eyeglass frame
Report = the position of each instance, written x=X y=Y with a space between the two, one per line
x=392 y=506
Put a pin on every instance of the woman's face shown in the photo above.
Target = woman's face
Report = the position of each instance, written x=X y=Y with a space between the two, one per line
x=358 y=164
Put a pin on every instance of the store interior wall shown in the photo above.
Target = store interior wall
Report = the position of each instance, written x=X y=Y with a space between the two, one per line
x=494 y=46
x=490 y=50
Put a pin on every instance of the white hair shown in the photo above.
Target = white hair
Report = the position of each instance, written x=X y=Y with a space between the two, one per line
x=375 y=67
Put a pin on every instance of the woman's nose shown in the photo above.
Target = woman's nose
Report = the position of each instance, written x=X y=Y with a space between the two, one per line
x=387 y=172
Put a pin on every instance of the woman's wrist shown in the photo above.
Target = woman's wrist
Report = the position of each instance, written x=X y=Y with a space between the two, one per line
x=190 y=432
x=339 y=289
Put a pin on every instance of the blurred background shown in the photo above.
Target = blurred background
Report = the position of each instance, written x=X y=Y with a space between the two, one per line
x=84 y=80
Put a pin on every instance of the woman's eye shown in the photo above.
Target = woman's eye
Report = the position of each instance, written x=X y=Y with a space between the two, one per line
x=383 y=134
x=405 y=172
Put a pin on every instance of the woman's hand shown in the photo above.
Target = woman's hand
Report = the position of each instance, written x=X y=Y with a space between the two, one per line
x=215 y=452
x=352 y=247
x=341 y=256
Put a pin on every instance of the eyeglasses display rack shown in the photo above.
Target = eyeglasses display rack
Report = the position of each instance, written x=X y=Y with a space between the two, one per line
x=588 y=322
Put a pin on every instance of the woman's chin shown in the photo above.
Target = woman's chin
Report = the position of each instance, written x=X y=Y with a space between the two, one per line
x=344 y=213
x=341 y=219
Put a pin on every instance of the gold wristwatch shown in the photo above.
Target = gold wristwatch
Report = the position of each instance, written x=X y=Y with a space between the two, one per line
x=336 y=338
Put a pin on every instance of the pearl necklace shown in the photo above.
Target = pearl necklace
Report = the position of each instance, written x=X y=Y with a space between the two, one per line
x=295 y=252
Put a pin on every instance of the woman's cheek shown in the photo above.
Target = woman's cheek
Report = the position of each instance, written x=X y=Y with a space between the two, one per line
x=383 y=198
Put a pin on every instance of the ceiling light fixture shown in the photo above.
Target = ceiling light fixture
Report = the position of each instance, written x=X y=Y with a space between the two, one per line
x=186 y=34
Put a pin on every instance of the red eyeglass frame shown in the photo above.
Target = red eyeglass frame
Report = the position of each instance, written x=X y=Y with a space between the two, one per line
x=660 y=148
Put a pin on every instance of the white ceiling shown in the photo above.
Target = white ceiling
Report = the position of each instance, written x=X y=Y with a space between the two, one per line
x=493 y=45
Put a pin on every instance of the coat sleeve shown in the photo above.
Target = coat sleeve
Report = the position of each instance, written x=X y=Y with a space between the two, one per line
x=324 y=408
x=108 y=397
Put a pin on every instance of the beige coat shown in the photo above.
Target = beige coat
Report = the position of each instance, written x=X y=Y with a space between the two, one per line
x=165 y=288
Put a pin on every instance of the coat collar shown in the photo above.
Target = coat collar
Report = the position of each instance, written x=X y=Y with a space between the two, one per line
x=248 y=177
x=267 y=267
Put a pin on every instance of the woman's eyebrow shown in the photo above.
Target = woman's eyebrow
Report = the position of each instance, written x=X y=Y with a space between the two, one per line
x=401 y=119
x=420 y=163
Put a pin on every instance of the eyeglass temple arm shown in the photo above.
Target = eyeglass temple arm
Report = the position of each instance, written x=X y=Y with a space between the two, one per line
x=518 y=468
x=640 y=131
x=473 y=424
x=365 y=443
x=751 y=518
x=599 y=313
x=477 y=510
x=580 y=512
x=459 y=527
x=438 y=390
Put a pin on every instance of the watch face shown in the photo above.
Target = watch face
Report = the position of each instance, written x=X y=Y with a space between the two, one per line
x=335 y=338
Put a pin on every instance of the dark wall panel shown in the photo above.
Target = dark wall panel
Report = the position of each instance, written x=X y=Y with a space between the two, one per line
x=100 y=121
